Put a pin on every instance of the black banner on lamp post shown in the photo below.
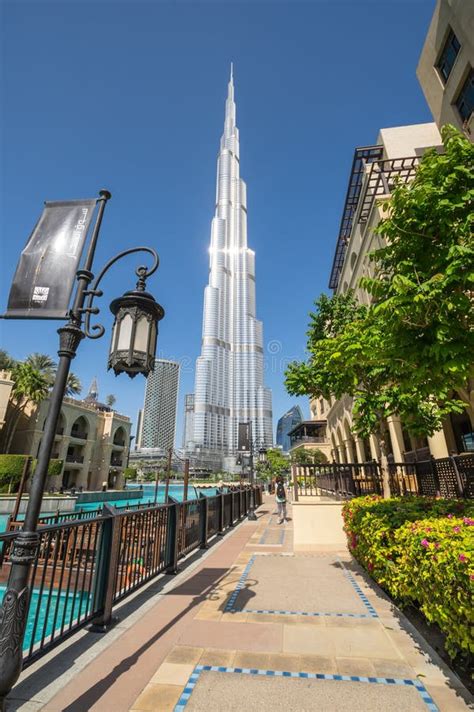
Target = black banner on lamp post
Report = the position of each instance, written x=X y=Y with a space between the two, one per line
x=46 y=271
x=243 y=442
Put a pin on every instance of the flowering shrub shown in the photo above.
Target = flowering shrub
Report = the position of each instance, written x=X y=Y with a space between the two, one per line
x=421 y=550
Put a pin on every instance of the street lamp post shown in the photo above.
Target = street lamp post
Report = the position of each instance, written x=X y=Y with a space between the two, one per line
x=258 y=448
x=132 y=351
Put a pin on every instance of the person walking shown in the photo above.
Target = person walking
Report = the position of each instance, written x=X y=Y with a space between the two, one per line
x=280 y=497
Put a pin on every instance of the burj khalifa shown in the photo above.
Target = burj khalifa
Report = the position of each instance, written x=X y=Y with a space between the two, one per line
x=229 y=379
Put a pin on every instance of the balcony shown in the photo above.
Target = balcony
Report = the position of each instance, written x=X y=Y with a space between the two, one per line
x=78 y=434
x=75 y=459
x=119 y=442
x=307 y=439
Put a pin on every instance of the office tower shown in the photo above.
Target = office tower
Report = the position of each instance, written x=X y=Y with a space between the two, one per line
x=159 y=410
x=287 y=422
x=229 y=386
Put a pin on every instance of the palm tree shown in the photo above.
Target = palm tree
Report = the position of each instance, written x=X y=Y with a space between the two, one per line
x=30 y=386
x=110 y=400
x=44 y=364
x=47 y=367
x=6 y=361
x=73 y=385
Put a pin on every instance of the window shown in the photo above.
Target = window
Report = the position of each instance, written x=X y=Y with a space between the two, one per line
x=448 y=55
x=465 y=100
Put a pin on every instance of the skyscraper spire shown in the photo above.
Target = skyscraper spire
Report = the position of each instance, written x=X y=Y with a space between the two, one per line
x=229 y=373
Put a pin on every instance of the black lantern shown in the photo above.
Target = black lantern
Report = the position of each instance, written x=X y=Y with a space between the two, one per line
x=135 y=331
x=262 y=455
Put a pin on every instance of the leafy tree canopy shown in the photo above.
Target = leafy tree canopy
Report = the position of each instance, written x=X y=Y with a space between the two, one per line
x=275 y=464
x=409 y=350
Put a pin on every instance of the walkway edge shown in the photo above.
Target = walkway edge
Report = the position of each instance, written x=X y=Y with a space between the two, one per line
x=23 y=699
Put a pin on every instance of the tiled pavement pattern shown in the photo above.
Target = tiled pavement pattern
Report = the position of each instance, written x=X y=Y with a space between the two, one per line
x=197 y=649
x=301 y=632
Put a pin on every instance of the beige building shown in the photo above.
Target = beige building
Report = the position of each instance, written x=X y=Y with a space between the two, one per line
x=446 y=67
x=92 y=440
x=374 y=168
x=6 y=385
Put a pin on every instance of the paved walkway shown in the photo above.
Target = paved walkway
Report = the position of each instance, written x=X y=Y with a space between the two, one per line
x=256 y=626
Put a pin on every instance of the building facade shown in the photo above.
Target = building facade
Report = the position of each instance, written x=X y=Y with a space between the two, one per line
x=446 y=66
x=159 y=409
x=188 y=426
x=229 y=384
x=92 y=440
x=395 y=156
x=286 y=423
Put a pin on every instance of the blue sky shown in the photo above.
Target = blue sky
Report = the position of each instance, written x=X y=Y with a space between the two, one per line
x=130 y=96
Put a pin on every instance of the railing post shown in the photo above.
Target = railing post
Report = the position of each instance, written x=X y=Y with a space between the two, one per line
x=231 y=508
x=221 y=514
x=459 y=481
x=105 y=575
x=203 y=519
x=435 y=476
x=172 y=538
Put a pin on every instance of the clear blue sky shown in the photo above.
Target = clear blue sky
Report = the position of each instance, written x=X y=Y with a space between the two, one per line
x=130 y=96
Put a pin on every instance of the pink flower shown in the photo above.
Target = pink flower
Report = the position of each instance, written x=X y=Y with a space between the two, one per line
x=425 y=542
x=468 y=522
x=462 y=557
x=370 y=566
x=450 y=516
x=436 y=545
x=428 y=529
x=456 y=530
x=471 y=577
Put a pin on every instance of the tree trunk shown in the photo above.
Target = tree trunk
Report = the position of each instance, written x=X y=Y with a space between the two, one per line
x=384 y=468
x=467 y=395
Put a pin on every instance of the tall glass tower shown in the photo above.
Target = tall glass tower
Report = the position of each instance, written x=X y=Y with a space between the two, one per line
x=229 y=384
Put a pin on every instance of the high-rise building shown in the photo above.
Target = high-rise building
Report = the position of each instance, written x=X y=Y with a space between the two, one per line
x=287 y=422
x=188 y=429
x=159 y=410
x=229 y=385
x=138 y=436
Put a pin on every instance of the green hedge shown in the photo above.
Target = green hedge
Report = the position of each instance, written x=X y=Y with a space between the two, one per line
x=11 y=468
x=421 y=551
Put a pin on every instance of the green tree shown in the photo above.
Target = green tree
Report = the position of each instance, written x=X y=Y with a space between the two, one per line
x=73 y=385
x=6 y=361
x=410 y=352
x=29 y=386
x=130 y=473
x=275 y=464
x=45 y=365
x=305 y=456
x=423 y=289
x=110 y=400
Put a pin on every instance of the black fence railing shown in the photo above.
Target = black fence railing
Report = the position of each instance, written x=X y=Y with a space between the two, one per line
x=84 y=566
x=451 y=477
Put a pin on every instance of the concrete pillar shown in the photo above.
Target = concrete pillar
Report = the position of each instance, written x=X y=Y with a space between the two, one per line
x=341 y=454
x=360 y=450
x=348 y=443
x=374 y=448
x=438 y=445
x=396 y=437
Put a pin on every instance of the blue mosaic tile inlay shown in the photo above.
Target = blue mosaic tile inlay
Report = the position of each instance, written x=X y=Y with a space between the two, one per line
x=190 y=685
x=231 y=607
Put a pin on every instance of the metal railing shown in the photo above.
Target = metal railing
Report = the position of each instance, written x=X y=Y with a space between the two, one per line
x=89 y=561
x=450 y=477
